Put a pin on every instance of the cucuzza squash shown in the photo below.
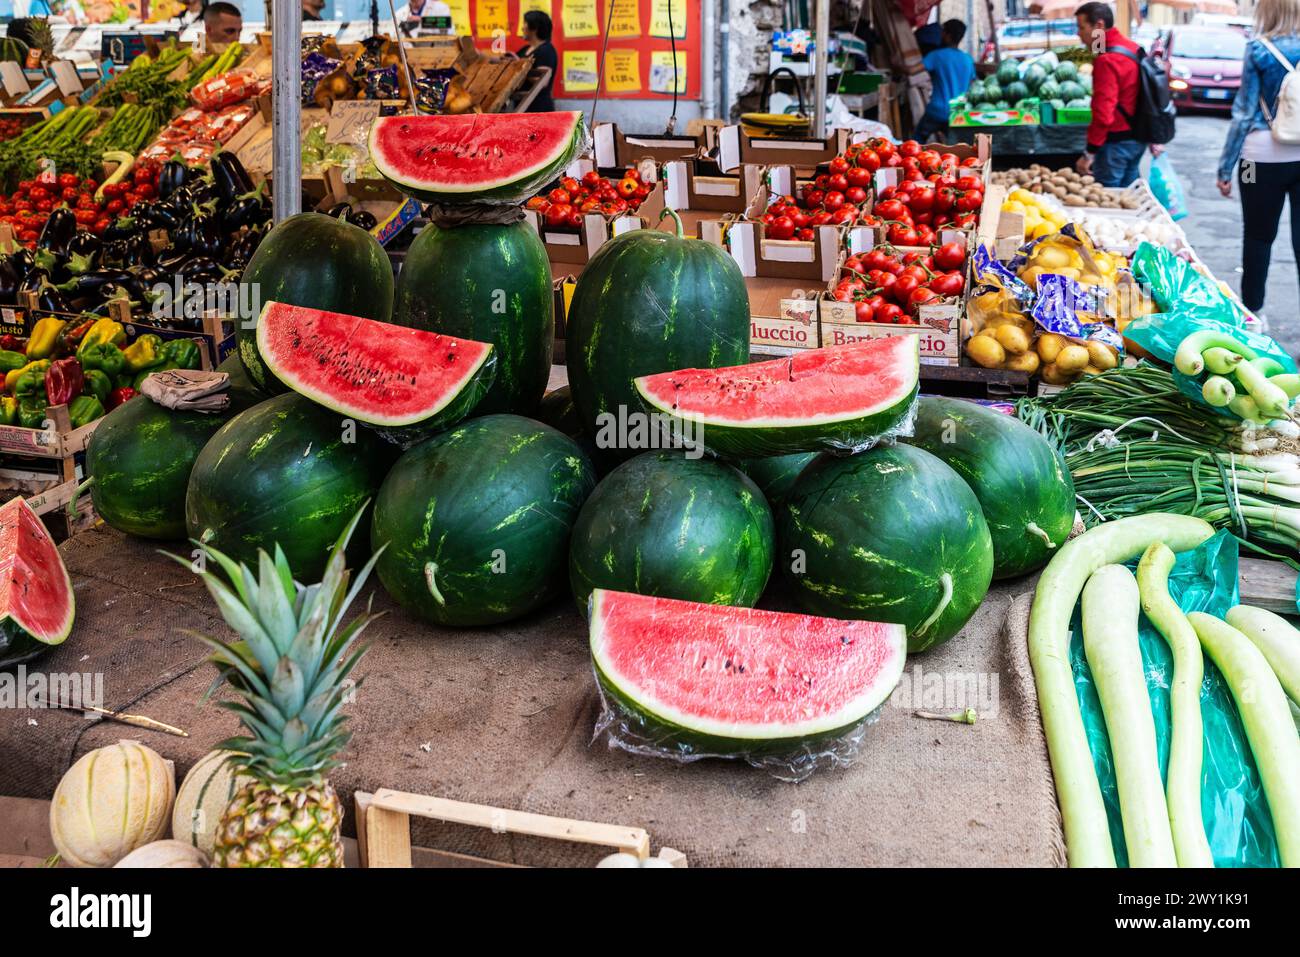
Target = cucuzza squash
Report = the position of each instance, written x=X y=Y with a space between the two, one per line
x=1021 y=482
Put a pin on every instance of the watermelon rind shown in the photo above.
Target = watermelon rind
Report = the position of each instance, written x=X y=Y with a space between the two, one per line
x=799 y=431
x=447 y=409
x=1021 y=481
x=534 y=171
x=775 y=475
x=20 y=638
x=654 y=721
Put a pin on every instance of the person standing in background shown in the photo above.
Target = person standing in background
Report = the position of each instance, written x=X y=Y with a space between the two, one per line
x=537 y=33
x=951 y=70
x=1269 y=171
x=311 y=9
x=222 y=23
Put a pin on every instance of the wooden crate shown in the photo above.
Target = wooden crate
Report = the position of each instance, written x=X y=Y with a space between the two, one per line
x=384 y=830
x=492 y=80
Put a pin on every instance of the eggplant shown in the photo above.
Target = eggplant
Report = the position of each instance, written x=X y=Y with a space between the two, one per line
x=251 y=210
x=36 y=278
x=122 y=227
x=23 y=261
x=203 y=233
x=10 y=277
x=149 y=276
x=200 y=269
x=102 y=283
x=172 y=177
x=84 y=244
x=51 y=300
x=59 y=229
x=229 y=176
x=363 y=219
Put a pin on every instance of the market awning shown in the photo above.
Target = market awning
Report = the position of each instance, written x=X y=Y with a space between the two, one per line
x=1227 y=7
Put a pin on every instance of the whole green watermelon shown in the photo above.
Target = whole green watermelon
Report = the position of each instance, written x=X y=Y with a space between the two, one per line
x=244 y=394
x=992 y=90
x=489 y=283
x=1070 y=90
x=1008 y=72
x=975 y=92
x=476 y=520
x=1021 y=481
x=317 y=261
x=775 y=475
x=1034 y=77
x=649 y=301
x=286 y=471
x=1015 y=92
x=665 y=525
x=1066 y=70
x=892 y=534
x=1049 y=90
x=139 y=461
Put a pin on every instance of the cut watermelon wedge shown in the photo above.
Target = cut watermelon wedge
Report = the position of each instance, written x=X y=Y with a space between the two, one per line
x=36 y=600
x=475 y=157
x=841 y=398
x=715 y=680
x=374 y=372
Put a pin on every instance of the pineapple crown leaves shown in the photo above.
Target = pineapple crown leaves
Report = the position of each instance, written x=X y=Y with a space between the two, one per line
x=291 y=660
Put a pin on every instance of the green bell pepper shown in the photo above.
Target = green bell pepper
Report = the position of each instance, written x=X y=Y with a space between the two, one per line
x=31 y=410
x=31 y=378
x=105 y=356
x=9 y=361
x=97 y=384
x=144 y=353
x=84 y=409
x=183 y=352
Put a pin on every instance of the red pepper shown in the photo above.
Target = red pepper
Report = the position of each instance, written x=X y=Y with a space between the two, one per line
x=118 y=396
x=13 y=344
x=64 y=381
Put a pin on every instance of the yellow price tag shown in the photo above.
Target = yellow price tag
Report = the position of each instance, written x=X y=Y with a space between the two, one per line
x=626 y=20
x=580 y=70
x=580 y=19
x=668 y=21
x=623 y=71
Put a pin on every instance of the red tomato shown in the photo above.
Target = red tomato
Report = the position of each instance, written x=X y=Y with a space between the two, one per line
x=970 y=161
x=44 y=205
x=833 y=201
x=948 y=284
x=100 y=225
x=559 y=196
x=146 y=190
x=901 y=234
x=858 y=176
x=591 y=179
x=924 y=235
x=950 y=256
x=929 y=161
x=781 y=227
x=844 y=215
x=537 y=202
x=921 y=199
x=85 y=217
x=67 y=180
x=909 y=148
x=820 y=218
x=970 y=181
x=114 y=206
x=838 y=166
x=863 y=312
x=89 y=186
x=558 y=214
x=805 y=235
x=38 y=193
x=854 y=264
x=569 y=184
x=68 y=194
x=130 y=197
x=868 y=160
x=838 y=182
x=970 y=201
x=888 y=313
x=920 y=297
x=891 y=209
x=903 y=288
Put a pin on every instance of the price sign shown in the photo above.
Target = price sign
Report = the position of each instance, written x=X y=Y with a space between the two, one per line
x=350 y=121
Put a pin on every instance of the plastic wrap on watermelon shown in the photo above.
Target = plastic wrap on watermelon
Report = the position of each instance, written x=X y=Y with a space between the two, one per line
x=790 y=694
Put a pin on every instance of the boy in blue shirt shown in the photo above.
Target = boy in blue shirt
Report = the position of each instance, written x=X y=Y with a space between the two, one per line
x=951 y=71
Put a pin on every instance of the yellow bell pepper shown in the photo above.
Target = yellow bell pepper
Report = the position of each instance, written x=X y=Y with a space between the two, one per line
x=45 y=337
x=104 y=330
x=143 y=353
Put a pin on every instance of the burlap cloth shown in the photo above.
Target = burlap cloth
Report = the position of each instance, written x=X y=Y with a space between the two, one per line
x=504 y=716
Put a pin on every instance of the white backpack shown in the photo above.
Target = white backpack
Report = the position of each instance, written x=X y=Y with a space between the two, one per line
x=1285 y=123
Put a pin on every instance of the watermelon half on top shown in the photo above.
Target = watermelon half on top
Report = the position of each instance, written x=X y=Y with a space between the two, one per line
x=842 y=398
x=475 y=157
x=711 y=680
x=374 y=372
x=36 y=601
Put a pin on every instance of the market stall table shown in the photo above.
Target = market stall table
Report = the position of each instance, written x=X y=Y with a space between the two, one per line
x=504 y=716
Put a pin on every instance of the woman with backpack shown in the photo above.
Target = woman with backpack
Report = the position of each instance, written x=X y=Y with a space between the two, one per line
x=1265 y=137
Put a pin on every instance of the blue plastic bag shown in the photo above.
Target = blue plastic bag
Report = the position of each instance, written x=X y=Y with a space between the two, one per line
x=1167 y=187
x=1238 y=823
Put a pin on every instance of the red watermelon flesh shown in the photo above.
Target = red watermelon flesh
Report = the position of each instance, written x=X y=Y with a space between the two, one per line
x=741 y=675
x=833 y=397
x=372 y=371
x=36 y=600
x=487 y=156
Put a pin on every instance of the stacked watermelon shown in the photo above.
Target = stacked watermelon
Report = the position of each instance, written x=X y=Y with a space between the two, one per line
x=1013 y=84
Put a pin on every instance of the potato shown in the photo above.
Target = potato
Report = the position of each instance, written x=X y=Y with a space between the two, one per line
x=1012 y=338
x=1074 y=201
x=1072 y=358
x=1101 y=355
x=986 y=351
x=1053 y=375
x=1049 y=346
x=1087 y=180
x=1025 y=362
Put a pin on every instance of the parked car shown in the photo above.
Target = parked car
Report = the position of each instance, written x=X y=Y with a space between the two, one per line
x=1205 y=66
x=1025 y=36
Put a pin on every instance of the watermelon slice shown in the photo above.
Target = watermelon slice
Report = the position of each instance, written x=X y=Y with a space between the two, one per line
x=475 y=157
x=841 y=398
x=374 y=372
x=36 y=600
x=715 y=680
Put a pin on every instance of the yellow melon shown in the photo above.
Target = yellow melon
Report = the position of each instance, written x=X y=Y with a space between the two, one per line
x=202 y=797
x=110 y=802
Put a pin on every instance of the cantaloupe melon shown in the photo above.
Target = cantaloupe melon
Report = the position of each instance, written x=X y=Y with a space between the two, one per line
x=164 y=854
x=202 y=797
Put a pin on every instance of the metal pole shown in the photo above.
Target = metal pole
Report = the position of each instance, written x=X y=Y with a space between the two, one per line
x=286 y=108
x=819 y=80
x=708 y=103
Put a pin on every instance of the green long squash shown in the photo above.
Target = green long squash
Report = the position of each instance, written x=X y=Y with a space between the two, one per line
x=1267 y=720
x=1110 y=641
x=1083 y=812
x=1274 y=636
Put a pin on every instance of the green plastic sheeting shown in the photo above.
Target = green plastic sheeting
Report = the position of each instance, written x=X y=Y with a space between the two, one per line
x=1233 y=806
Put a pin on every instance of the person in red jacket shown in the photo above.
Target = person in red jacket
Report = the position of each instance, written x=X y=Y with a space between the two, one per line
x=1114 y=154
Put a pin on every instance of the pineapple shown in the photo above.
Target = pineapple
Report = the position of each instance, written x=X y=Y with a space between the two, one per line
x=289 y=668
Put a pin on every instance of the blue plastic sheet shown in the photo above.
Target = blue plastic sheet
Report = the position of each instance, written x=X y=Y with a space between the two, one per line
x=1237 y=820
x=1167 y=187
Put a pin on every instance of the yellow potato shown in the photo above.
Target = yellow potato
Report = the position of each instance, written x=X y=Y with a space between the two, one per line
x=1025 y=362
x=1050 y=345
x=1101 y=355
x=986 y=351
x=1051 y=257
x=1012 y=338
x=1072 y=358
x=1054 y=375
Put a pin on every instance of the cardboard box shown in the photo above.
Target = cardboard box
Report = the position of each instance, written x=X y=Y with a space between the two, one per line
x=614 y=148
x=568 y=251
x=938 y=327
x=814 y=262
x=783 y=317
x=394 y=210
x=736 y=147
x=686 y=187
